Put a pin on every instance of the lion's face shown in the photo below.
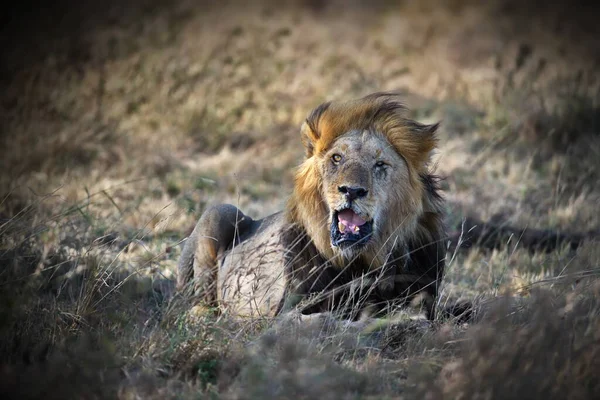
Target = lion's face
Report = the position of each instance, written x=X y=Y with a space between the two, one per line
x=366 y=188
x=360 y=190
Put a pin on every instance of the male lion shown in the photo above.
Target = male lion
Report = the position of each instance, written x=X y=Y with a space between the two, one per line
x=362 y=230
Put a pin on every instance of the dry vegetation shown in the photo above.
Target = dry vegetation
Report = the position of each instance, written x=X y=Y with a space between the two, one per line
x=120 y=123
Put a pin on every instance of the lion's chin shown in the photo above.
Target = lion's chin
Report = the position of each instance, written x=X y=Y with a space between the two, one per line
x=349 y=237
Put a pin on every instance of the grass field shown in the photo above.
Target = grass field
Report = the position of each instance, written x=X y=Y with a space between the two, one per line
x=121 y=122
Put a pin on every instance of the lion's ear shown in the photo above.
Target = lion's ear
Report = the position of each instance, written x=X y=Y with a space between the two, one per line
x=310 y=131
x=430 y=132
x=427 y=135
x=309 y=138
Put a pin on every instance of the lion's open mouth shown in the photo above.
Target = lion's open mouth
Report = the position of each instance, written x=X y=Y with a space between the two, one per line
x=348 y=228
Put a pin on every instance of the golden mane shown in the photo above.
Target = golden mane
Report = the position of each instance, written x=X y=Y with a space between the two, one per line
x=378 y=112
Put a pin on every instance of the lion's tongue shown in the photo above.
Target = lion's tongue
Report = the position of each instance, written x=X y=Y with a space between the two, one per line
x=349 y=219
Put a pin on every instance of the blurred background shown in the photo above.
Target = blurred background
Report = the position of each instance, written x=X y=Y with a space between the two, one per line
x=172 y=92
x=120 y=121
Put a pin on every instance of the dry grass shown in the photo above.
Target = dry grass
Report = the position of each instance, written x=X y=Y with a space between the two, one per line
x=121 y=123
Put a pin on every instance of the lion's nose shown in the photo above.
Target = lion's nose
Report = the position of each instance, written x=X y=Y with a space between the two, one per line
x=353 y=193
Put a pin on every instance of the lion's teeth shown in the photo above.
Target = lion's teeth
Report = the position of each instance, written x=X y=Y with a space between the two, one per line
x=356 y=229
x=341 y=227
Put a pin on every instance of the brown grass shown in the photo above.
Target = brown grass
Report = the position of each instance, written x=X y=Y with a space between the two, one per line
x=121 y=123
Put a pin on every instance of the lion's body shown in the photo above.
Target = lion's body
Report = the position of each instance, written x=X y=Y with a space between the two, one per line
x=362 y=230
x=251 y=279
x=242 y=270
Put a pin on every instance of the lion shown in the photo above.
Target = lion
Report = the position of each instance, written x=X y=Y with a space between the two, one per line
x=362 y=232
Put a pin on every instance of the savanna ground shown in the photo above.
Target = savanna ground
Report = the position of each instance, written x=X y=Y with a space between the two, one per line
x=121 y=122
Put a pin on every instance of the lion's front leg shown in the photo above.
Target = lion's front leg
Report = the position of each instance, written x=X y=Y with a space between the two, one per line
x=396 y=263
x=385 y=281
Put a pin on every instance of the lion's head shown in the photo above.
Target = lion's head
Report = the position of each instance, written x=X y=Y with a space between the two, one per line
x=361 y=190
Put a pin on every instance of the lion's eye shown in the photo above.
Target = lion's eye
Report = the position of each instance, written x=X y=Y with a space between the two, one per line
x=336 y=158
x=379 y=164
